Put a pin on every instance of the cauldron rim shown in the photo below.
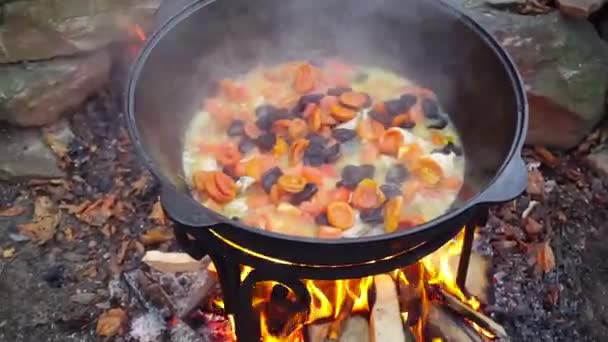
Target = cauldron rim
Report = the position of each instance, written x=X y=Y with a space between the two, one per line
x=500 y=189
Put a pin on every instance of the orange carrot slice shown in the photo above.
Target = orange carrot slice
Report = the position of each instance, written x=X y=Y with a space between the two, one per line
x=297 y=151
x=327 y=102
x=428 y=171
x=409 y=153
x=305 y=78
x=280 y=147
x=340 y=194
x=312 y=175
x=438 y=139
x=298 y=129
x=367 y=195
x=314 y=120
x=281 y=127
x=312 y=208
x=354 y=99
x=309 y=109
x=342 y=113
x=256 y=166
x=392 y=213
x=275 y=194
x=292 y=184
x=198 y=179
x=400 y=120
x=369 y=154
x=251 y=130
x=451 y=183
x=390 y=142
x=368 y=129
x=327 y=232
x=220 y=187
x=340 y=215
x=410 y=221
x=228 y=155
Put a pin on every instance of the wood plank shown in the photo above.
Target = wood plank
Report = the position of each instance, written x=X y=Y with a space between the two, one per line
x=385 y=321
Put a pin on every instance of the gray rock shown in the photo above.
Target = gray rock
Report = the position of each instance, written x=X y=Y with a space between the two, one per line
x=564 y=64
x=599 y=162
x=39 y=93
x=23 y=154
x=580 y=8
x=41 y=29
x=83 y=298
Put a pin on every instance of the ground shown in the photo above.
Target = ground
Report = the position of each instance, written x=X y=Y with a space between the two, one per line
x=55 y=290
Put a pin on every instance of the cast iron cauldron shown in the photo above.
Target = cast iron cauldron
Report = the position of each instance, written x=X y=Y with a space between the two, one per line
x=424 y=40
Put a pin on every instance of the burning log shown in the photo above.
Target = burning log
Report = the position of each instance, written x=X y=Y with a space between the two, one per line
x=447 y=326
x=485 y=322
x=204 y=286
x=356 y=329
x=385 y=321
x=410 y=301
x=317 y=332
x=337 y=326
x=477 y=277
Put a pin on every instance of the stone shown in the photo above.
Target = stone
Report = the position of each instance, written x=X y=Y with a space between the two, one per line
x=40 y=93
x=41 y=29
x=563 y=64
x=83 y=298
x=598 y=161
x=24 y=154
x=580 y=8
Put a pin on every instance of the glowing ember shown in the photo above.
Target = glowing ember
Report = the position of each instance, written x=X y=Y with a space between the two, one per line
x=139 y=32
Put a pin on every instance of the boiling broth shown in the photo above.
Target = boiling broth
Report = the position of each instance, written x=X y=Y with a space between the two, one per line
x=326 y=150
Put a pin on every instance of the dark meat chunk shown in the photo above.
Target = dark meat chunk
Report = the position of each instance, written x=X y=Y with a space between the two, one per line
x=401 y=105
x=309 y=190
x=266 y=142
x=338 y=91
x=368 y=170
x=382 y=118
x=352 y=175
x=372 y=216
x=332 y=153
x=396 y=174
x=270 y=177
x=314 y=154
x=390 y=190
x=430 y=108
x=246 y=145
x=267 y=115
x=236 y=129
x=316 y=139
x=408 y=100
x=343 y=134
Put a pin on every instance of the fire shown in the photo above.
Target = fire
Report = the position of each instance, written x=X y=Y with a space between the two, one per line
x=139 y=33
x=333 y=300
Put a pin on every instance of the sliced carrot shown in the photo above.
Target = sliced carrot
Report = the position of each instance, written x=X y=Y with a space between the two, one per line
x=327 y=232
x=428 y=171
x=314 y=120
x=297 y=151
x=354 y=99
x=240 y=169
x=409 y=153
x=257 y=200
x=340 y=215
x=309 y=109
x=298 y=129
x=367 y=195
x=280 y=147
x=234 y=92
x=451 y=183
x=220 y=187
x=340 y=194
x=312 y=175
x=392 y=213
x=410 y=221
x=390 y=142
x=327 y=119
x=438 y=139
x=228 y=155
x=325 y=131
x=379 y=107
x=327 y=102
x=409 y=190
x=292 y=184
x=342 y=113
x=369 y=153
x=328 y=170
x=369 y=129
x=400 y=120
x=305 y=78
x=312 y=208
x=198 y=179
x=256 y=166
x=222 y=116
x=275 y=194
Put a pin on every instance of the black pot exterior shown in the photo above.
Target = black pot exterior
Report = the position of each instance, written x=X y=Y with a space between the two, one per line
x=424 y=40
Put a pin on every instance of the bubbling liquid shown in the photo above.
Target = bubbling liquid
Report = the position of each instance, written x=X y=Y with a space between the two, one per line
x=328 y=151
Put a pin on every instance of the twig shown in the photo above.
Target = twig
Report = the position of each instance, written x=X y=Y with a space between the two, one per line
x=477 y=317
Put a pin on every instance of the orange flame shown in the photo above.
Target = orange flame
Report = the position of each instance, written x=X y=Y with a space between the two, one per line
x=139 y=32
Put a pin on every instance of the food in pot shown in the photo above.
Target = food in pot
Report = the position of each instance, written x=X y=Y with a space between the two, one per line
x=325 y=150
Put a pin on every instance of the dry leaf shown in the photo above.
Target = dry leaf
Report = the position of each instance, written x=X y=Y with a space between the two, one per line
x=90 y=272
x=110 y=323
x=545 y=257
x=157 y=215
x=99 y=212
x=546 y=156
x=69 y=234
x=140 y=184
x=12 y=211
x=156 y=235
x=44 y=223
x=122 y=210
x=56 y=145
x=8 y=252
x=76 y=208
x=122 y=252
x=533 y=227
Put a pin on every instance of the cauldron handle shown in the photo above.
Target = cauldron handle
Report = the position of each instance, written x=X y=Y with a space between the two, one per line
x=511 y=183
